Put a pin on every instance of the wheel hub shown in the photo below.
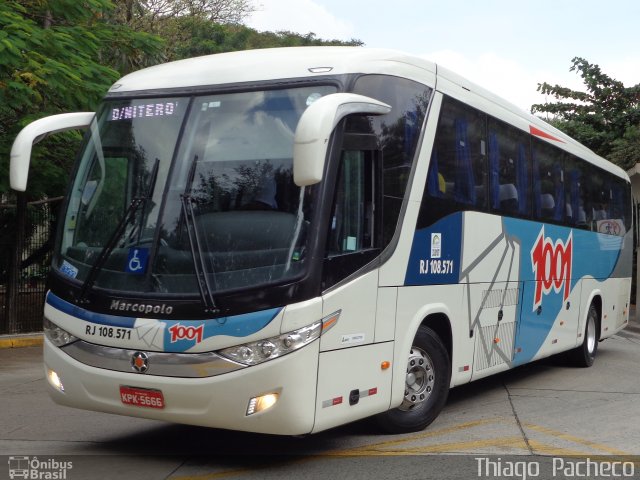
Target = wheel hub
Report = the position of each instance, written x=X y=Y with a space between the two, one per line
x=419 y=381
x=591 y=334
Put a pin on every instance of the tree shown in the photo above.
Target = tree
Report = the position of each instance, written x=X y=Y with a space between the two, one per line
x=189 y=36
x=605 y=117
x=52 y=60
x=150 y=15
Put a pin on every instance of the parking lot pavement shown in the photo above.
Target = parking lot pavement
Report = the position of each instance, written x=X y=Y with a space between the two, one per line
x=538 y=411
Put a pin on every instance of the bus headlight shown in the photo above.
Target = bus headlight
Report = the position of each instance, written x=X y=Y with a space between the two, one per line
x=254 y=353
x=56 y=335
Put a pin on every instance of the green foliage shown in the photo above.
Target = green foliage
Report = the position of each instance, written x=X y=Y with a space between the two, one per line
x=193 y=36
x=51 y=61
x=605 y=117
x=62 y=55
x=625 y=151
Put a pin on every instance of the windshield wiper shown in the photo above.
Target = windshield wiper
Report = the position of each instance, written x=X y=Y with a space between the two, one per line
x=128 y=218
x=199 y=265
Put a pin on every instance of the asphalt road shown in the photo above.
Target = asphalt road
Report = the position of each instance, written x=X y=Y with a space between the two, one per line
x=535 y=414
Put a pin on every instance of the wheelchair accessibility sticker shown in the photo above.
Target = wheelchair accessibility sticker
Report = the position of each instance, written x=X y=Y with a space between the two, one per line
x=137 y=260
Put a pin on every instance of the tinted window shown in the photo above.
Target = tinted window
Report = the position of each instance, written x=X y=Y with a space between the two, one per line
x=519 y=176
x=457 y=178
x=578 y=213
x=509 y=172
x=398 y=134
x=548 y=182
x=352 y=221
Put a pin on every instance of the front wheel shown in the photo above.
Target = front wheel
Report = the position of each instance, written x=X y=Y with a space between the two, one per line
x=428 y=375
x=585 y=354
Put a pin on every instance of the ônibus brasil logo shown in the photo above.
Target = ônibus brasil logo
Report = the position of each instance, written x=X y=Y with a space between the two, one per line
x=180 y=332
x=551 y=262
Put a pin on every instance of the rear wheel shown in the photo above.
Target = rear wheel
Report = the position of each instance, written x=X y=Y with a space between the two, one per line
x=585 y=354
x=428 y=375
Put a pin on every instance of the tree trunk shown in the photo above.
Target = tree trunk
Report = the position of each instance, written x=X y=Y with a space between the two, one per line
x=48 y=20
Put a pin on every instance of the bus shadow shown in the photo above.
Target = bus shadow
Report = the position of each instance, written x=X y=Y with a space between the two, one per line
x=501 y=381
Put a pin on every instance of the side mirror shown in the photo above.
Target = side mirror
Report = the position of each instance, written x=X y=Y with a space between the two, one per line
x=35 y=132
x=316 y=126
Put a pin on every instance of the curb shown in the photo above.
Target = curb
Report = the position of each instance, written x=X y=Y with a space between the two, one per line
x=19 y=341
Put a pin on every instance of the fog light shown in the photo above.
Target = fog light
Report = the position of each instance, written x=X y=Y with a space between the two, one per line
x=55 y=381
x=261 y=403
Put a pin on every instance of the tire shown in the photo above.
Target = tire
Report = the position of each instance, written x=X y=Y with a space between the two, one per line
x=426 y=386
x=584 y=355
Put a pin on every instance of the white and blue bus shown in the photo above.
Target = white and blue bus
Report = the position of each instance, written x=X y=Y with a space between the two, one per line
x=287 y=240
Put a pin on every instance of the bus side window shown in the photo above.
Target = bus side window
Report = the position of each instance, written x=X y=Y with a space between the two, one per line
x=457 y=178
x=576 y=193
x=398 y=133
x=548 y=183
x=598 y=202
x=352 y=225
x=354 y=237
x=509 y=184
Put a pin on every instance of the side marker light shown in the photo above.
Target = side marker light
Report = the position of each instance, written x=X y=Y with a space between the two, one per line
x=330 y=320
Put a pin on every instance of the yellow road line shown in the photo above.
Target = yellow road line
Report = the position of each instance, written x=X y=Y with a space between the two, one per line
x=541 y=448
x=214 y=475
x=429 y=434
x=574 y=439
x=464 y=447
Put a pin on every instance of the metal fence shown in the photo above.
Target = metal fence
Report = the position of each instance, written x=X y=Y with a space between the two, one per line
x=23 y=283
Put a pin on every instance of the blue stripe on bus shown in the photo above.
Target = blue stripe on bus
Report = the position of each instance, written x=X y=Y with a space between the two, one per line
x=435 y=253
x=235 y=326
x=93 y=317
x=533 y=327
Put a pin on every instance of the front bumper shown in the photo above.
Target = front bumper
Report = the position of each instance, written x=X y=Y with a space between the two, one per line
x=220 y=401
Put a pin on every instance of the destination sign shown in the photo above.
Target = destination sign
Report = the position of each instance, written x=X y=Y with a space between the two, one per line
x=145 y=110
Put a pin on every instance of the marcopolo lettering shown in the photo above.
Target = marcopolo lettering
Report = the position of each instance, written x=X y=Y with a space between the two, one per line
x=140 y=307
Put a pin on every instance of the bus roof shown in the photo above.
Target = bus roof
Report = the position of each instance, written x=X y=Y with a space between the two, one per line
x=251 y=66
x=263 y=65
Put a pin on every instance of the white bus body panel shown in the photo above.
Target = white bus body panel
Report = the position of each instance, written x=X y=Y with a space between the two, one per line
x=219 y=401
x=342 y=372
x=356 y=301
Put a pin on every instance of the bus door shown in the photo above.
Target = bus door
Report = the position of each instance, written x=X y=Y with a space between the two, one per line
x=351 y=383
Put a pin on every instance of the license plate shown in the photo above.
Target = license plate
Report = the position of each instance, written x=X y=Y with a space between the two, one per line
x=141 y=397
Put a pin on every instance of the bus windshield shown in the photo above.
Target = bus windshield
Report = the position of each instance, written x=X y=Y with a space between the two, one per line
x=165 y=185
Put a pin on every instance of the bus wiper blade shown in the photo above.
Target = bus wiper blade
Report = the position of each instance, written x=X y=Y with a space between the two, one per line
x=128 y=218
x=199 y=265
